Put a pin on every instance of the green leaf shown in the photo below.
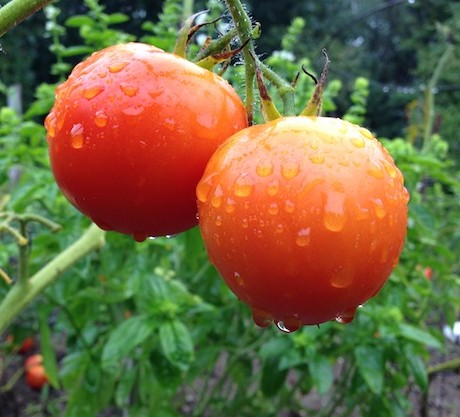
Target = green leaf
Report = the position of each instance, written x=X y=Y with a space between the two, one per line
x=116 y=18
x=275 y=347
x=76 y=50
x=126 y=336
x=371 y=367
x=321 y=372
x=125 y=386
x=417 y=366
x=46 y=348
x=176 y=343
x=78 y=21
x=273 y=377
x=418 y=335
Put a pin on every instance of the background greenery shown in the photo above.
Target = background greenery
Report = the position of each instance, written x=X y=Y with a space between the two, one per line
x=150 y=329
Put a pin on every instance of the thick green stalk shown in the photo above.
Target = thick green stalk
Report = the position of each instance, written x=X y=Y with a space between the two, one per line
x=16 y=11
x=244 y=28
x=24 y=292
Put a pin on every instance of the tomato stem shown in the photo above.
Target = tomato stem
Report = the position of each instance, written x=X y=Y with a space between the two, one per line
x=16 y=11
x=25 y=291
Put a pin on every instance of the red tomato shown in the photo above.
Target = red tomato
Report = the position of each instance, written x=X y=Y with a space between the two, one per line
x=32 y=361
x=428 y=273
x=27 y=344
x=36 y=377
x=131 y=132
x=304 y=218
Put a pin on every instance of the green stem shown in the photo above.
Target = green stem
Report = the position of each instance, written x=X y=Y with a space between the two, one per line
x=444 y=366
x=23 y=293
x=23 y=269
x=187 y=9
x=244 y=28
x=16 y=11
x=429 y=95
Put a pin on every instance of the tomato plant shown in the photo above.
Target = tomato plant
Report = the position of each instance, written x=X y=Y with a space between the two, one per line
x=304 y=218
x=130 y=133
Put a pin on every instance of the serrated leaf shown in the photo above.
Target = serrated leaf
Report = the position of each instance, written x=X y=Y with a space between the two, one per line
x=124 y=338
x=176 y=343
x=371 y=367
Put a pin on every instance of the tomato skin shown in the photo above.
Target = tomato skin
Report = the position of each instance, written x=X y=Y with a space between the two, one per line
x=304 y=218
x=131 y=132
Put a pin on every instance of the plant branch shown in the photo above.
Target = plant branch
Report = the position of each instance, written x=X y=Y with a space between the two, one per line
x=16 y=11
x=444 y=366
x=23 y=293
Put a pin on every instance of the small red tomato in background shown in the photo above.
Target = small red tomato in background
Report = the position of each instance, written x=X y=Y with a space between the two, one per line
x=428 y=273
x=131 y=132
x=35 y=373
x=26 y=346
x=304 y=218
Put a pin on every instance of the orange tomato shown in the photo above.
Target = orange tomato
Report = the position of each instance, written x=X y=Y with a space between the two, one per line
x=304 y=218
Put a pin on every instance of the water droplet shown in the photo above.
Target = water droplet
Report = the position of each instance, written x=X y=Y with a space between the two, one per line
x=303 y=237
x=289 y=325
x=50 y=124
x=230 y=205
x=279 y=228
x=216 y=200
x=261 y=318
x=273 y=209
x=289 y=206
x=134 y=110
x=390 y=169
x=100 y=119
x=139 y=237
x=358 y=142
x=197 y=216
x=376 y=172
x=152 y=237
x=379 y=208
x=170 y=236
x=245 y=223
x=238 y=278
x=203 y=189
x=92 y=91
x=334 y=216
x=243 y=186
x=217 y=240
x=314 y=144
x=264 y=168
x=317 y=158
x=76 y=135
x=290 y=169
x=346 y=317
x=129 y=89
x=117 y=67
x=218 y=221
x=342 y=277
x=366 y=133
x=273 y=188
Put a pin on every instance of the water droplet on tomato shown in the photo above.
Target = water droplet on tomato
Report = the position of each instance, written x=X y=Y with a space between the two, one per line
x=289 y=206
x=230 y=205
x=346 y=317
x=203 y=189
x=264 y=168
x=290 y=169
x=273 y=188
x=218 y=221
x=245 y=223
x=358 y=142
x=342 y=277
x=100 y=119
x=379 y=208
x=318 y=158
x=303 y=237
x=92 y=91
x=334 y=216
x=134 y=110
x=170 y=236
x=50 y=123
x=129 y=89
x=273 y=209
x=243 y=186
x=286 y=329
x=216 y=200
x=261 y=318
x=76 y=136
x=376 y=172
x=238 y=278
x=366 y=133
x=117 y=67
x=279 y=228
